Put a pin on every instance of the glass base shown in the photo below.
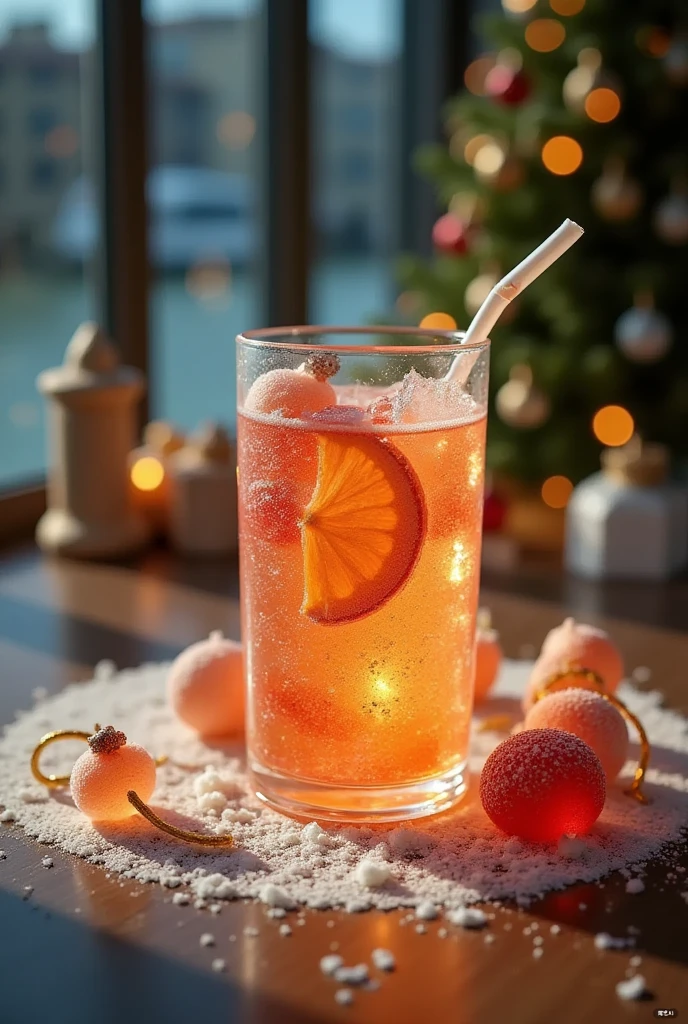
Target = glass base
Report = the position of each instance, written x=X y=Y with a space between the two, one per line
x=357 y=804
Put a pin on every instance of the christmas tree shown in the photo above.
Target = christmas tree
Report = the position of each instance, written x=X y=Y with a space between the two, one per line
x=580 y=112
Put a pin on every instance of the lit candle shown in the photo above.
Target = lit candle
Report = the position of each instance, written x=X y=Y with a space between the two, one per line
x=148 y=472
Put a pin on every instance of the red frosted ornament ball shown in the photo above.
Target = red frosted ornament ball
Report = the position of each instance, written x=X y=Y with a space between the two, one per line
x=541 y=784
x=508 y=85
x=449 y=235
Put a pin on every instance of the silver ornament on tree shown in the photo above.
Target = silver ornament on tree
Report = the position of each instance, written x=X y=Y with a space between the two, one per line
x=519 y=403
x=676 y=61
x=671 y=216
x=642 y=333
x=615 y=195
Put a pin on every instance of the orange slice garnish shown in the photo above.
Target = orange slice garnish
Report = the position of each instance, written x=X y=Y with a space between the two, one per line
x=362 y=530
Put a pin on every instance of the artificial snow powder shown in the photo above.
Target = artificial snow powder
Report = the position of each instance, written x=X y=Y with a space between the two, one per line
x=330 y=964
x=372 y=875
x=383 y=959
x=451 y=861
x=634 y=988
x=467 y=917
x=635 y=885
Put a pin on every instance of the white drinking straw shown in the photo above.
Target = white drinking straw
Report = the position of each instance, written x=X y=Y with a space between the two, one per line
x=507 y=289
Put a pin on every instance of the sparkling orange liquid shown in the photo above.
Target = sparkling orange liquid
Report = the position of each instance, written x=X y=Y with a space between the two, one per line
x=386 y=699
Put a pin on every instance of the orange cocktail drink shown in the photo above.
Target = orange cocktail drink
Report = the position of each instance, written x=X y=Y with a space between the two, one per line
x=360 y=525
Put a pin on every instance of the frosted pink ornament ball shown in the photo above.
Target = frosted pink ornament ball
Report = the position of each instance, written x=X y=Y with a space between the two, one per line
x=205 y=686
x=578 y=645
x=588 y=716
x=104 y=774
x=289 y=392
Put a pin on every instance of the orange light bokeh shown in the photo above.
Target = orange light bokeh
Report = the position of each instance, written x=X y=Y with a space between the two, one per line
x=147 y=473
x=602 y=105
x=477 y=71
x=613 y=425
x=654 y=41
x=562 y=155
x=545 y=34
x=567 y=7
x=438 y=322
x=556 y=491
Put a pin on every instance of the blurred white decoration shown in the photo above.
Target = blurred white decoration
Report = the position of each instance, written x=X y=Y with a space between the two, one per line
x=519 y=403
x=616 y=196
x=642 y=333
x=676 y=61
x=91 y=430
x=671 y=216
x=629 y=521
x=203 y=495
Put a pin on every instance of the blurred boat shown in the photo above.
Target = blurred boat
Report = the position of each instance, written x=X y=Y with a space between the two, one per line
x=196 y=215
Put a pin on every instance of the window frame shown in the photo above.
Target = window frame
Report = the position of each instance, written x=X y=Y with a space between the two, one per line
x=435 y=42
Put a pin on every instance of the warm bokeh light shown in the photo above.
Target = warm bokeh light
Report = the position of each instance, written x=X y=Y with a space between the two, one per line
x=209 y=281
x=477 y=71
x=556 y=491
x=613 y=425
x=562 y=155
x=489 y=159
x=147 y=473
x=545 y=34
x=474 y=145
x=61 y=142
x=567 y=7
x=438 y=322
x=602 y=105
x=654 y=41
x=518 y=6
x=236 y=130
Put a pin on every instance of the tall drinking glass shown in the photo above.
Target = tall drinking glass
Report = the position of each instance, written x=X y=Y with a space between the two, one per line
x=361 y=471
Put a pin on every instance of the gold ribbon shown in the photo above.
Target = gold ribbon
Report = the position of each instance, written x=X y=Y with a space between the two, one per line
x=590 y=676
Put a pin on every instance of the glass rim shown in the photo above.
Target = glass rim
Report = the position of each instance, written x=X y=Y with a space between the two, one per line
x=262 y=337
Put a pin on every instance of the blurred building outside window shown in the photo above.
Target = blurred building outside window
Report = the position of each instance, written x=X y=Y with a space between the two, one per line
x=43 y=297
x=204 y=85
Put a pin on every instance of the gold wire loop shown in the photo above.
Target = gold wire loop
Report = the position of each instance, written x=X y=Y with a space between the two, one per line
x=203 y=838
x=590 y=676
x=54 y=781
x=60 y=781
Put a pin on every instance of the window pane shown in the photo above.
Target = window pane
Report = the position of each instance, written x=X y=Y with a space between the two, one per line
x=202 y=200
x=355 y=87
x=47 y=227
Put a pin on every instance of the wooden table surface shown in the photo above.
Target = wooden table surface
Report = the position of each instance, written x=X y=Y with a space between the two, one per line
x=85 y=949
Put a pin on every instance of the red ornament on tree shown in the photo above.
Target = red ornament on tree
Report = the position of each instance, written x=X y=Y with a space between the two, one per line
x=508 y=85
x=449 y=235
x=542 y=784
x=494 y=512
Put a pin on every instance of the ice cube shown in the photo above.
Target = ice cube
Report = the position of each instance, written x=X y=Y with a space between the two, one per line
x=429 y=400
